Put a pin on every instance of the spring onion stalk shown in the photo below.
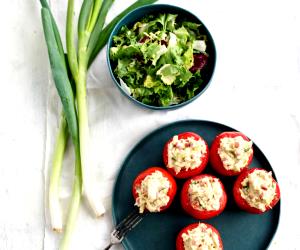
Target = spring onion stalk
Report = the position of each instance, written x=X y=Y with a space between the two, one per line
x=75 y=202
x=61 y=142
x=91 y=21
x=92 y=38
x=54 y=203
x=65 y=91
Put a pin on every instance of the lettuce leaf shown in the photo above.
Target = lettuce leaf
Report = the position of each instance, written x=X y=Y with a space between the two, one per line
x=168 y=73
x=155 y=59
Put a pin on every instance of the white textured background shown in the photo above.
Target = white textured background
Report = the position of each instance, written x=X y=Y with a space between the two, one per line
x=255 y=89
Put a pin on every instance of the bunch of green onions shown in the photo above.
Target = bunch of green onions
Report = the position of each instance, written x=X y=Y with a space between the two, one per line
x=69 y=71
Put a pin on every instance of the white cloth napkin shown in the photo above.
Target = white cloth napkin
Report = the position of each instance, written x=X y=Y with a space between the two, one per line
x=116 y=124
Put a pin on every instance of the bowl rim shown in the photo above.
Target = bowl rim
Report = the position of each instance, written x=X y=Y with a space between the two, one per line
x=139 y=103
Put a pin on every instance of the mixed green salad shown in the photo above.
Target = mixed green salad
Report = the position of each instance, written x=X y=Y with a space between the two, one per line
x=158 y=60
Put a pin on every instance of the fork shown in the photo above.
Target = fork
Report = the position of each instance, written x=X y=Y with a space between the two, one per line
x=118 y=234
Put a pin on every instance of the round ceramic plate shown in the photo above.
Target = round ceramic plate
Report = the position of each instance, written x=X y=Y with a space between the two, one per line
x=239 y=230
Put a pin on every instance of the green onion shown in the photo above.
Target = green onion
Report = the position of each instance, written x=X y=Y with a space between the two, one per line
x=55 y=30
x=90 y=23
x=54 y=204
x=61 y=141
x=87 y=20
x=64 y=89
x=96 y=34
x=72 y=54
x=94 y=16
x=68 y=72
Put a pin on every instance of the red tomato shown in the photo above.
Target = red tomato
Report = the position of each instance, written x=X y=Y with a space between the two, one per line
x=171 y=192
x=201 y=214
x=215 y=159
x=242 y=203
x=179 y=240
x=186 y=173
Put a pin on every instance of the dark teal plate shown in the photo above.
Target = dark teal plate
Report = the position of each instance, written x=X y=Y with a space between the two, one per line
x=239 y=230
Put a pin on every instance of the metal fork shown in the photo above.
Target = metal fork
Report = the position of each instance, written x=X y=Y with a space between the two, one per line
x=118 y=234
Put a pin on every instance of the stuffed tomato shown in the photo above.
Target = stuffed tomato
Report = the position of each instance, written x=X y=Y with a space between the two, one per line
x=231 y=153
x=154 y=190
x=199 y=236
x=203 y=196
x=185 y=155
x=255 y=191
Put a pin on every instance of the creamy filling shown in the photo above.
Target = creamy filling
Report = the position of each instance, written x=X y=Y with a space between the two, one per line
x=185 y=153
x=235 y=152
x=259 y=189
x=153 y=192
x=201 y=238
x=205 y=194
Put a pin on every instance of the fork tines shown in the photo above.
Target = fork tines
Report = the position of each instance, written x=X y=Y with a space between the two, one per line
x=128 y=223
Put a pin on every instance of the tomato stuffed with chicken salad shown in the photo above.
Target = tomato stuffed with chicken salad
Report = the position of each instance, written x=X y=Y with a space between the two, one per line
x=256 y=191
x=199 y=236
x=231 y=153
x=203 y=196
x=186 y=155
x=154 y=190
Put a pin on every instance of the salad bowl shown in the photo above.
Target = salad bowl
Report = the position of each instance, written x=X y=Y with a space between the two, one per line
x=161 y=57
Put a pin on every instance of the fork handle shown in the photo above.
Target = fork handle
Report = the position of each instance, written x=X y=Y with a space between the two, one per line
x=108 y=247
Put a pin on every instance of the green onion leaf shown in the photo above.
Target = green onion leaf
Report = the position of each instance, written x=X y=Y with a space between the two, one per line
x=60 y=75
x=55 y=29
x=94 y=16
x=85 y=15
x=96 y=33
x=71 y=50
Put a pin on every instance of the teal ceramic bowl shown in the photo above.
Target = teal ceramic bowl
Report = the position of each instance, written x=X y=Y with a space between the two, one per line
x=136 y=15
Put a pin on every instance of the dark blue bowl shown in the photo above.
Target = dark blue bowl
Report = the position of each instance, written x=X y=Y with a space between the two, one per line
x=136 y=15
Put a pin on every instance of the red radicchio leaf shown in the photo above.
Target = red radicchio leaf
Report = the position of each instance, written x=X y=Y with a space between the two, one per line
x=144 y=39
x=164 y=42
x=200 y=61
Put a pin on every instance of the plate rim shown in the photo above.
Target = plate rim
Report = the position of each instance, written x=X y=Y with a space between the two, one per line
x=162 y=127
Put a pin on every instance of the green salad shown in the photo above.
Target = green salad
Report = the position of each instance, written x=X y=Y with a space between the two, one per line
x=158 y=60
